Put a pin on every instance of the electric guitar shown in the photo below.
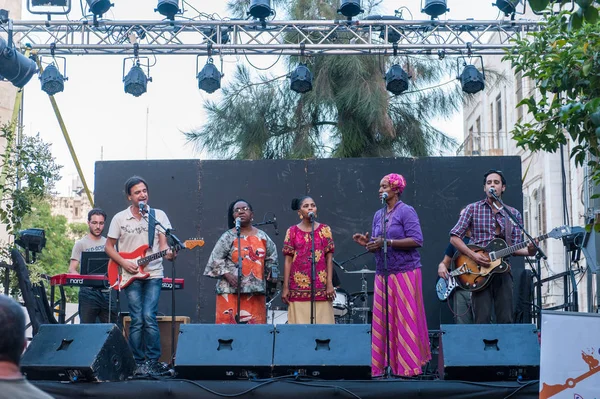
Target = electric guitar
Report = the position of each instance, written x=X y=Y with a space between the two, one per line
x=444 y=288
x=119 y=278
x=472 y=277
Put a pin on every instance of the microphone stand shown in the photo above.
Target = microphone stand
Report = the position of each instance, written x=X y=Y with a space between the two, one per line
x=539 y=255
x=313 y=271
x=238 y=227
x=387 y=373
x=174 y=244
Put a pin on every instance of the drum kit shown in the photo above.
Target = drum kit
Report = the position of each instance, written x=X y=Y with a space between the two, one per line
x=348 y=308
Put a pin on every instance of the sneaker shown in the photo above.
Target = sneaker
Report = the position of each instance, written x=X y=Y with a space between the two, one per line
x=158 y=368
x=141 y=369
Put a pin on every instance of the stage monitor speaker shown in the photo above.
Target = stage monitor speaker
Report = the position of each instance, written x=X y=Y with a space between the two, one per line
x=78 y=352
x=164 y=326
x=328 y=351
x=489 y=352
x=224 y=351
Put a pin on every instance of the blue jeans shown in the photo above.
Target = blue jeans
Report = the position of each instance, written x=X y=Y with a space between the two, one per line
x=144 y=335
x=94 y=304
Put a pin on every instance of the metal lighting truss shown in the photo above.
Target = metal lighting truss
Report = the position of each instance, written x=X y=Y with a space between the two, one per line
x=250 y=37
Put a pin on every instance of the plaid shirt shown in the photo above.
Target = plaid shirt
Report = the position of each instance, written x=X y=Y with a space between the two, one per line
x=479 y=217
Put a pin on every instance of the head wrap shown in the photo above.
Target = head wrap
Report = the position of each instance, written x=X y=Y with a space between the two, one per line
x=397 y=182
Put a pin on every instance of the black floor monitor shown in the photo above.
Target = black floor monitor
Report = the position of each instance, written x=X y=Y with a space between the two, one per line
x=94 y=263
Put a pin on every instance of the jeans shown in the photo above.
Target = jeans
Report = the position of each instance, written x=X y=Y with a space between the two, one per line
x=94 y=304
x=144 y=335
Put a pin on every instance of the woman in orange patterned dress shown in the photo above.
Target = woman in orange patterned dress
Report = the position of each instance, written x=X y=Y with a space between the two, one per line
x=297 y=248
x=259 y=257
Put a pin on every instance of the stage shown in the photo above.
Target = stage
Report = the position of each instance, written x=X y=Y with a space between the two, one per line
x=291 y=388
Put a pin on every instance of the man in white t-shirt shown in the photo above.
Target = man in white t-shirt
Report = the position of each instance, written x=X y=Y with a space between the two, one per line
x=94 y=303
x=12 y=343
x=129 y=229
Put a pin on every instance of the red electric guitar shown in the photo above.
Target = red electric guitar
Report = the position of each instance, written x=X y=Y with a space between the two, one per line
x=119 y=278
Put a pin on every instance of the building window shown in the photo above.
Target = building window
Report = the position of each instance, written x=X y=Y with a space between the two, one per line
x=492 y=130
x=519 y=94
x=499 y=112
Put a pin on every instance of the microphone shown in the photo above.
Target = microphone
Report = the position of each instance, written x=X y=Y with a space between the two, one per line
x=311 y=215
x=275 y=225
x=492 y=191
x=238 y=224
x=384 y=196
x=142 y=206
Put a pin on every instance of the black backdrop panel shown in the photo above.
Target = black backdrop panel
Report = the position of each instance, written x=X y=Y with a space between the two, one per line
x=195 y=195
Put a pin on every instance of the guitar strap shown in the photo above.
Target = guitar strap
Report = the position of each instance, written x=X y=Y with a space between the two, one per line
x=151 y=227
x=508 y=228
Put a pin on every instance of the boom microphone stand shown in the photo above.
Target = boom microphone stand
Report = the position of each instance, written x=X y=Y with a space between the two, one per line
x=313 y=269
x=174 y=244
x=539 y=255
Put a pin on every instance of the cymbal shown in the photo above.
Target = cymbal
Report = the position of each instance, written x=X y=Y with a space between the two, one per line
x=365 y=270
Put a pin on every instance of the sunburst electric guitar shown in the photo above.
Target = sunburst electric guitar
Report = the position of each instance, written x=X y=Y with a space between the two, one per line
x=472 y=277
x=119 y=278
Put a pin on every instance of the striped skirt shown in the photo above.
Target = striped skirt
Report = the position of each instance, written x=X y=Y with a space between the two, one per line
x=408 y=335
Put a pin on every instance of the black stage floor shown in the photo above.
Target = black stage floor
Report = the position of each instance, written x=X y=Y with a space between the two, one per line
x=290 y=388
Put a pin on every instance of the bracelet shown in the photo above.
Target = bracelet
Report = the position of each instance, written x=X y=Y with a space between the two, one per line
x=390 y=242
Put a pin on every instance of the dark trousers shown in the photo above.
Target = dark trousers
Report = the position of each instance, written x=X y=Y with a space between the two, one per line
x=93 y=304
x=497 y=296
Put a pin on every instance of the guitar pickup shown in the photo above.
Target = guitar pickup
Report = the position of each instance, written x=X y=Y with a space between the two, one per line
x=493 y=256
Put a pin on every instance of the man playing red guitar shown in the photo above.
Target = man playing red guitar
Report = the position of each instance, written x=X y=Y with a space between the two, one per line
x=486 y=223
x=130 y=229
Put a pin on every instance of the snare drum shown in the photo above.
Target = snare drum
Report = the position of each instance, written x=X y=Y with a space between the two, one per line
x=277 y=315
x=341 y=303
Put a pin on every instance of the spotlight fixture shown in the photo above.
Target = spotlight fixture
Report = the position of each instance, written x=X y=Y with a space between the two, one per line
x=136 y=81
x=33 y=240
x=301 y=79
x=99 y=7
x=14 y=66
x=52 y=80
x=435 y=8
x=396 y=80
x=209 y=78
x=507 y=6
x=168 y=8
x=471 y=80
x=260 y=9
x=350 y=8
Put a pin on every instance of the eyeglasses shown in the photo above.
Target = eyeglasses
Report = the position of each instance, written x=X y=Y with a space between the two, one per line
x=97 y=223
x=242 y=209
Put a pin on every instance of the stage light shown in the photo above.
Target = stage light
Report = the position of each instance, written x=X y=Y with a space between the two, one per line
x=471 y=80
x=350 y=8
x=396 y=80
x=435 y=8
x=14 y=66
x=33 y=240
x=136 y=81
x=301 y=79
x=507 y=6
x=209 y=78
x=52 y=80
x=168 y=8
x=260 y=9
x=99 y=7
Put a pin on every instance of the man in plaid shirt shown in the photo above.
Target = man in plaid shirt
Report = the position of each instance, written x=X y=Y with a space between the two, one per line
x=486 y=219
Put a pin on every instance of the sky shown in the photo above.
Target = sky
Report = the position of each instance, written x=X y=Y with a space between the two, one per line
x=105 y=123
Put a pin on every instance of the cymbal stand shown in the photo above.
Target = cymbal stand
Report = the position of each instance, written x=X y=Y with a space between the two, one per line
x=364 y=296
x=270 y=307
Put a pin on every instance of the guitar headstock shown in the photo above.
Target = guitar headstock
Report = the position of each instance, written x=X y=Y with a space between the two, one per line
x=193 y=243
x=560 y=232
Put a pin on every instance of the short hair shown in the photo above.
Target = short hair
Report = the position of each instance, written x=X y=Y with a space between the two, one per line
x=498 y=172
x=12 y=330
x=96 y=211
x=230 y=219
x=297 y=202
x=134 y=181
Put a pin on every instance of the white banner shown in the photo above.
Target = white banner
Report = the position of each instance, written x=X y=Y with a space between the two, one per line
x=570 y=356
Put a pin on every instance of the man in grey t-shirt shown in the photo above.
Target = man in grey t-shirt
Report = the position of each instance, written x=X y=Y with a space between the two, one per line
x=94 y=303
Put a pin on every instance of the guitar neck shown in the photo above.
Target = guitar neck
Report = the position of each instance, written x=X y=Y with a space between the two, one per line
x=509 y=250
x=150 y=258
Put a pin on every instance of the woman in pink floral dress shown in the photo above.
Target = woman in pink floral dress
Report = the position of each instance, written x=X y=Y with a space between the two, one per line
x=297 y=248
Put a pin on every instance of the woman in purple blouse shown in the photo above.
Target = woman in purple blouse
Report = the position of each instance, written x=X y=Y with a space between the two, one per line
x=297 y=248
x=408 y=336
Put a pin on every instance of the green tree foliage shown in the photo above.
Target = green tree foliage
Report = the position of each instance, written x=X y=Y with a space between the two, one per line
x=348 y=113
x=55 y=257
x=563 y=60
